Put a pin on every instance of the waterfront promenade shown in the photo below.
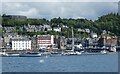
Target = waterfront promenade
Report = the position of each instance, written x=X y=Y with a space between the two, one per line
x=59 y=51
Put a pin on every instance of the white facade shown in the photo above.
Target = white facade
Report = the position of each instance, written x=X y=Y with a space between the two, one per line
x=65 y=26
x=21 y=44
x=87 y=30
x=57 y=29
x=81 y=30
x=94 y=35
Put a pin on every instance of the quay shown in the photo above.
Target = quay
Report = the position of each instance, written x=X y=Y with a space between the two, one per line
x=86 y=51
x=59 y=50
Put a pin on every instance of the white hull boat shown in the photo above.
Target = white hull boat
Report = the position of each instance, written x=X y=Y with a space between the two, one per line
x=72 y=53
x=13 y=55
x=3 y=54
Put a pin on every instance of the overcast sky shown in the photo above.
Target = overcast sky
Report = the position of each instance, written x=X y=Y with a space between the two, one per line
x=48 y=10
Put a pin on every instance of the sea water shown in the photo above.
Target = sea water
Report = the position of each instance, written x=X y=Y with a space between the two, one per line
x=81 y=63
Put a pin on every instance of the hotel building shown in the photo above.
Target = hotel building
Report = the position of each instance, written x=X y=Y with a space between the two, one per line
x=45 y=41
x=21 y=44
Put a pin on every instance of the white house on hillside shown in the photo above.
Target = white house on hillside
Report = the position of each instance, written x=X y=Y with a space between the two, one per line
x=57 y=29
x=94 y=35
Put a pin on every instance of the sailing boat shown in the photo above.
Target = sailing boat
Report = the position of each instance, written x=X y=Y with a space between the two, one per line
x=72 y=52
x=29 y=54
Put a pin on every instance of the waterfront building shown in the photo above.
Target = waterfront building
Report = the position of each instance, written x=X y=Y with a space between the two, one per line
x=7 y=41
x=60 y=41
x=107 y=41
x=90 y=42
x=33 y=42
x=8 y=36
x=45 y=41
x=1 y=41
x=21 y=44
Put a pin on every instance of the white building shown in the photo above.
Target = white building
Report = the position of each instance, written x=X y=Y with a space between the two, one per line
x=21 y=44
x=81 y=30
x=94 y=35
x=104 y=32
x=47 y=28
x=87 y=30
x=64 y=26
x=45 y=41
x=57 y=29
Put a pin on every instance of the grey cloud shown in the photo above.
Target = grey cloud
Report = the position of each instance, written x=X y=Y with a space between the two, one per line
x=89 y=10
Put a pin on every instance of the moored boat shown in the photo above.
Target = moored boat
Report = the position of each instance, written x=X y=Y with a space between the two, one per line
x=113 y=49
x=71 y=53
x=30 y=55
x=13 y=55
x=3 y=54
x=103 y=52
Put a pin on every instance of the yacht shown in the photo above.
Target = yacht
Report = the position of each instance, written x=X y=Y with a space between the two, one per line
x=72 y=52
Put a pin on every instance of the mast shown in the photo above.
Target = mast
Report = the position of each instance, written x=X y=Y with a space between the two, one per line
x=72 y=40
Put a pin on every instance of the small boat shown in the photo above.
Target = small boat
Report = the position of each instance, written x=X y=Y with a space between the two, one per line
x=78 y=53
x=3 y=54
x=30 y=55
x=13 y=55
x=54 y=54
x=71 y=53
x=113 y=49
x=91 y=53
x=103 y=52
